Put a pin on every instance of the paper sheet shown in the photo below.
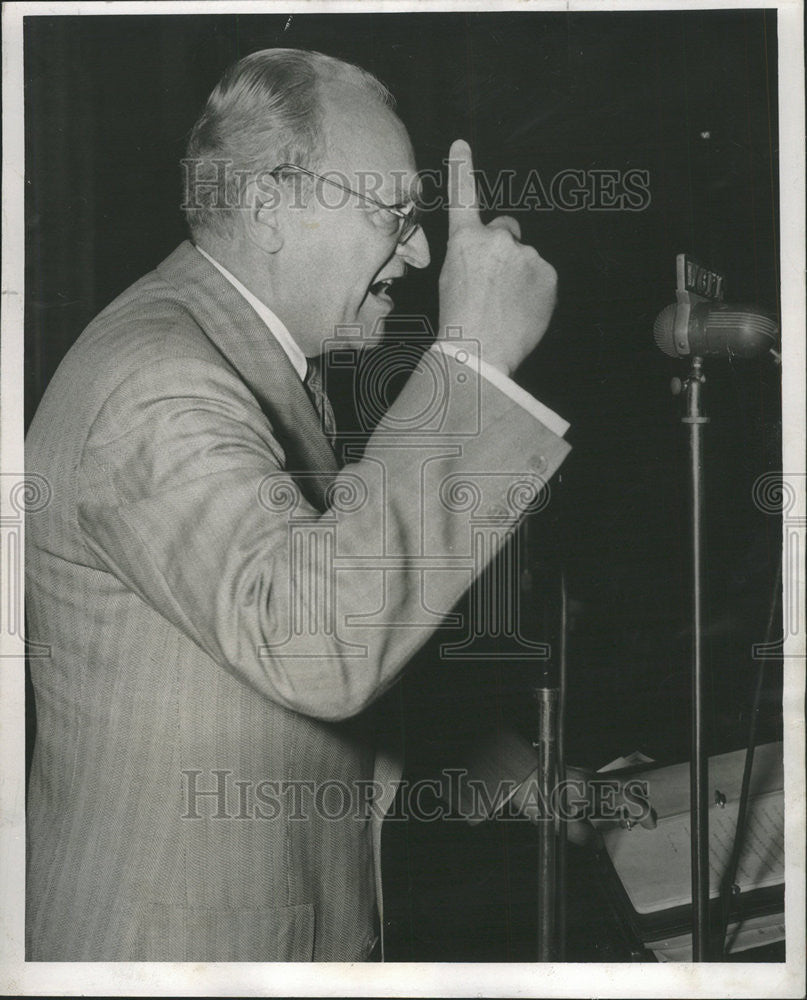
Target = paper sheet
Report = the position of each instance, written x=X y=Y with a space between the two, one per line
x=654 y=865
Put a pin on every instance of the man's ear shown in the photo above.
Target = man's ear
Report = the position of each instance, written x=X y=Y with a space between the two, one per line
x=266 y=215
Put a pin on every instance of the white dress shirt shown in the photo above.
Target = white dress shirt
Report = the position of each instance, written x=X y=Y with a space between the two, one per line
x=276 y=326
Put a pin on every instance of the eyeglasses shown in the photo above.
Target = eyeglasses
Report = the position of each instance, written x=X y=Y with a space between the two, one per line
x=405 y=219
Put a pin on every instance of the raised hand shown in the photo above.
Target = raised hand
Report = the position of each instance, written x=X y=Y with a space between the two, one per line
x=494 y=288
x=606 y=799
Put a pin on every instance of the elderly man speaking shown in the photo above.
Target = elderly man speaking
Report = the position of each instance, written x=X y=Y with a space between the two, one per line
x=223 y=603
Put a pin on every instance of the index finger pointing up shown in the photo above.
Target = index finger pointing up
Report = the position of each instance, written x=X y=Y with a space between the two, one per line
x=463 y=207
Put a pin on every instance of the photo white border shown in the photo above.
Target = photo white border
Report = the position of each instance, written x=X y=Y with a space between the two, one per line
x=724 y=980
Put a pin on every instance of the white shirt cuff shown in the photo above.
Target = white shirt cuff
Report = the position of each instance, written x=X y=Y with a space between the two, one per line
x=460 y=350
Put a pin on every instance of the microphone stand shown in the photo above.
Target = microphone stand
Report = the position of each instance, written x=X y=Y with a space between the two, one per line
x=548 y=692
x=561 y=769
x=550 y=696
x=547 y=697
x=698 y=767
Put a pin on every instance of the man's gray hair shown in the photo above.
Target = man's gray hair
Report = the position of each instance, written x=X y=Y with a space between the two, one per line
x=266 y=110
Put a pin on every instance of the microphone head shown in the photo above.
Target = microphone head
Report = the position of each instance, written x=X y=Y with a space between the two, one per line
x=714 y=329
x=739 y=331
x=664 y=331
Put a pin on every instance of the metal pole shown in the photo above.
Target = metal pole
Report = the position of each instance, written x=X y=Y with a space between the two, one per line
x=698 y=768
x=547 y=844
x=560 y=756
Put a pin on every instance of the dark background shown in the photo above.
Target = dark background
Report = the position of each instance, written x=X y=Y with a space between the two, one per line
x=690 y=97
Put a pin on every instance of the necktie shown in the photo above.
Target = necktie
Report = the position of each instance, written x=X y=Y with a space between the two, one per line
x=317 y=395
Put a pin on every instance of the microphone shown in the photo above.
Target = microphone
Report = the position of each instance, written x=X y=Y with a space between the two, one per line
x=700 y=324
x=709 y=328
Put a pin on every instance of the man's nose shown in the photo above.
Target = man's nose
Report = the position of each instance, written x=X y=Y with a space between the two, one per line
x=416 y=249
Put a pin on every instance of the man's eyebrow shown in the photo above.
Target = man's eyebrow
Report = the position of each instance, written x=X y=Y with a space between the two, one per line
x=406 y=194
x=416 y=192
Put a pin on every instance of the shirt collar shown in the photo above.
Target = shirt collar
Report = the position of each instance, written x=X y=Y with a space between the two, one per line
x=275 y=325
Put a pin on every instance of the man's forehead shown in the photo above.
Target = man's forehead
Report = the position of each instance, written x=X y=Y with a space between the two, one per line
x=368 y=141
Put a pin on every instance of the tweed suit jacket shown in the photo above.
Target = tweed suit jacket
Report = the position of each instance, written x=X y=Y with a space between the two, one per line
x=224 y=607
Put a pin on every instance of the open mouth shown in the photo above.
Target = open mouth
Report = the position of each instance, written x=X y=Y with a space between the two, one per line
x=381 y=289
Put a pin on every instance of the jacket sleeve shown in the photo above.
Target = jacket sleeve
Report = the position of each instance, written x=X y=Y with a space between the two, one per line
x=183 y=496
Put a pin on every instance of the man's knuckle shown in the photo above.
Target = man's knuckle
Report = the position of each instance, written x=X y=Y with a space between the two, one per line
x=546 y=272
x=501 y=240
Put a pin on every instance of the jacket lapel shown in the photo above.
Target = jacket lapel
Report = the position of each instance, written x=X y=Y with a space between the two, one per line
x=243 y=339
